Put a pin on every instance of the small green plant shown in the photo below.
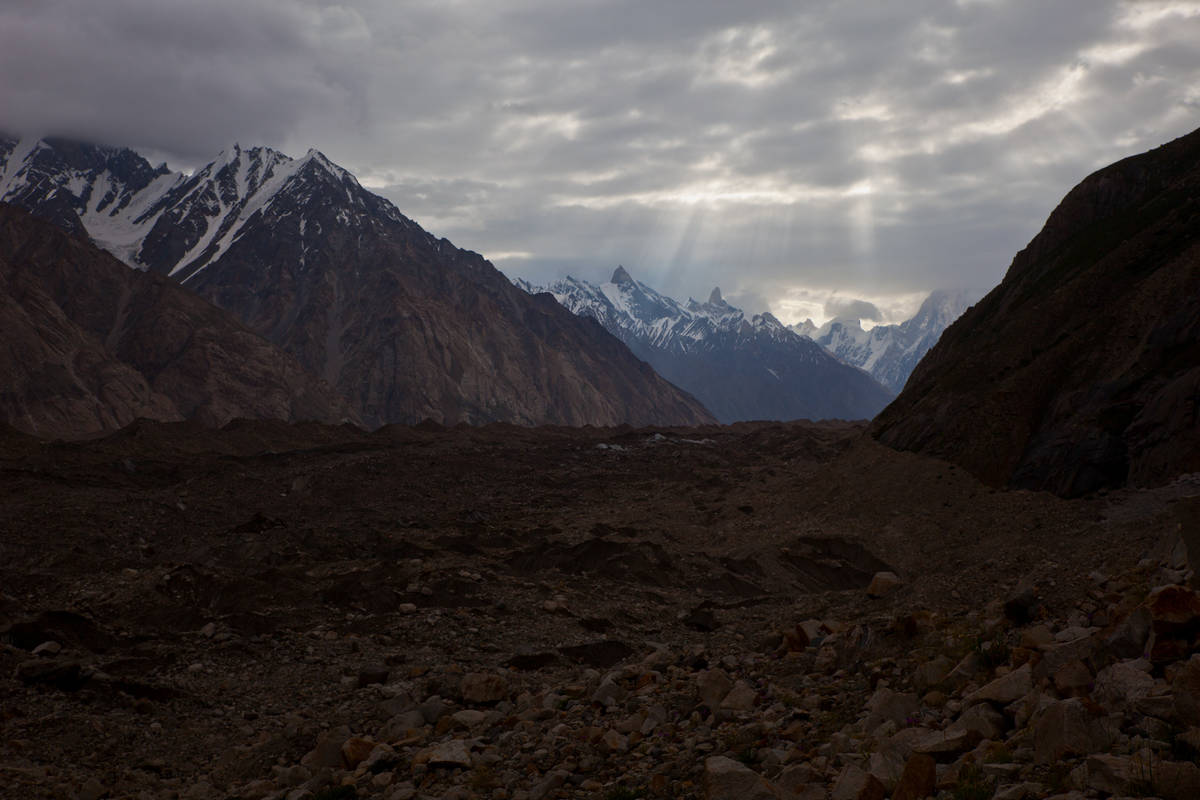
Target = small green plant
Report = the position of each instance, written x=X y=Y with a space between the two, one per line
x=972 y=784
x=992 y=654
x=1141 y=775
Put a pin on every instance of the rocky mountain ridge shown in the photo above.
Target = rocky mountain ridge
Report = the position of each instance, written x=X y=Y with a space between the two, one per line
x=1081 y=370
x=891 y=352
x=740 y=368
x=404 y=325
x=90 y=345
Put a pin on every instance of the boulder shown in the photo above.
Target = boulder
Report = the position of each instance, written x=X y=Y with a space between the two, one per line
x=740 y=698
x=1129 y=636
x=918 y=780
x=726 y=779
x=855 y=783
x=483 y=687
x=1005 y=689
x=1186 y=689
x=887 y=705
x=1070 y=728
x=1119 y=686
x=711 y=686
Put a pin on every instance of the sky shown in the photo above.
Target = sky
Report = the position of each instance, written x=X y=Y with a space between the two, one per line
x=810 y=158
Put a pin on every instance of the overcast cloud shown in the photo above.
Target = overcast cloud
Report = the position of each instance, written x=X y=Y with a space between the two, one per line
x=789 y=152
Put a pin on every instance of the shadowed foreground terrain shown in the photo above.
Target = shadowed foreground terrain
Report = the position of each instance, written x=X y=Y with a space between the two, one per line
x=503 y=612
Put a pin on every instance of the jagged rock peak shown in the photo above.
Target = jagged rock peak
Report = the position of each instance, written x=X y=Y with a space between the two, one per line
x=714 y=299
x=621 y=276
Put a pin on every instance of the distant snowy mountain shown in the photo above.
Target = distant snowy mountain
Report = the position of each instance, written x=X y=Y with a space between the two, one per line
x=740 y=368
x=405 y=325
x=890 y=352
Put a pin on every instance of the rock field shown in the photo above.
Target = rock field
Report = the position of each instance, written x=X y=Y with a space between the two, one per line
x=749 y=612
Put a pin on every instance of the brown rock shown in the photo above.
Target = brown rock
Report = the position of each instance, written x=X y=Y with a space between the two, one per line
x=1186 y=689
x=356 y=750
x=372 y=674
x=884 y=583
x=740 y=698
x=328 y=751
x=886 y=704
x=855 y=784
x=712 y=685
x=1073 y=679
x=919 y=779
x=1119 y=687
x=1005 y=689
x=483 y=687
x=949 y=742
x=726 y=779
x=1070 y=728
x=1128 y=637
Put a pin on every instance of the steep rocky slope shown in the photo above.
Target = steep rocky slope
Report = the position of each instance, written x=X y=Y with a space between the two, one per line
x=89 y=345
x=741 y=368
x=406 y=326
x=1081 y=370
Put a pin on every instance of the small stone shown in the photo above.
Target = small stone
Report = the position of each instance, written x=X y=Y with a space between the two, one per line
x=48 y=649
x=883 y=583
x=614 y=742
x=453 y=753
x=372 y=674
x=209 y=630
x=92 y=790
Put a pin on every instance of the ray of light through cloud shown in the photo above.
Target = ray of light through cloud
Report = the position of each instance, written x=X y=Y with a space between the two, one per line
x=795 y=154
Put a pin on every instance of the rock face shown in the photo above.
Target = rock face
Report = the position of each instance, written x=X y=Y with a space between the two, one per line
x=90 y=345
x=740 y=368
x=406 y=326
x=1081 y=370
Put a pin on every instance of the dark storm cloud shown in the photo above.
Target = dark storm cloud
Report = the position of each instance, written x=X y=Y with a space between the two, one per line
x=783 y=151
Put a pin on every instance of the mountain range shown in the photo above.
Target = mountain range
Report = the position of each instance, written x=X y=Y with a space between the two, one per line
x=402 y=324
x=740 y=367
x=890 y=352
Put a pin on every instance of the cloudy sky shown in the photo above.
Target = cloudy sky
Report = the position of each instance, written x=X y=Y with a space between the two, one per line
x=808 y=157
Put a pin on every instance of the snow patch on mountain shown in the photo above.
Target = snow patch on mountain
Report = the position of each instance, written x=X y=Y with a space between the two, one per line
x=891 y=352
